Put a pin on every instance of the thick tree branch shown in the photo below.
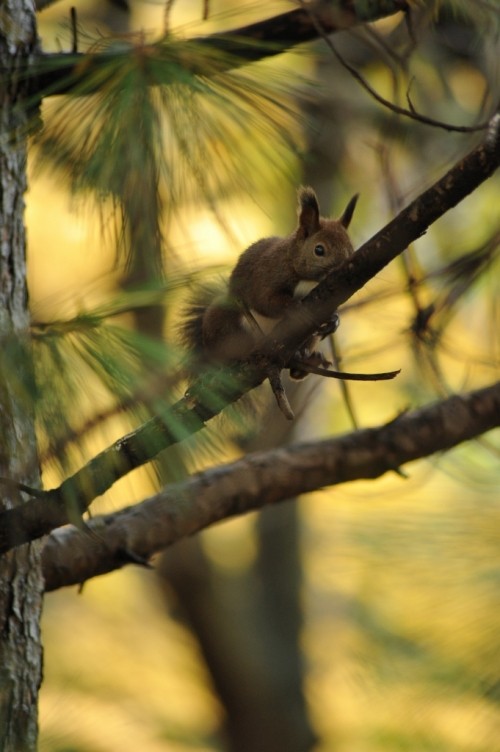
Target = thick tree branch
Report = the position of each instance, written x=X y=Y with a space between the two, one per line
x=63 y=73
x=409 y=225
x=133 y=534
x=210 y=395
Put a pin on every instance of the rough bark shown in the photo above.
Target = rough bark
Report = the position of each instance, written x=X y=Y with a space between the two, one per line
x=135 y=533
x=209 y=396
x=20 y=575
x=210 y=55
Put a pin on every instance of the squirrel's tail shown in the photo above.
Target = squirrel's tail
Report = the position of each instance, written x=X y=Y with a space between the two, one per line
x=191 y=328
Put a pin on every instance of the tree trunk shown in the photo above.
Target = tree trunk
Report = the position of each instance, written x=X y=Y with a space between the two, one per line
x=20 y=573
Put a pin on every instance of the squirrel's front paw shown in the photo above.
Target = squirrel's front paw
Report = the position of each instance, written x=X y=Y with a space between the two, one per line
x=329 y=327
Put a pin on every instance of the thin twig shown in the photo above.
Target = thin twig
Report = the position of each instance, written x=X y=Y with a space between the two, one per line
x=344 y=386
x=409 y=113
x=166 y=16
x=279 y=392
x=74 y=31
x=344 y=375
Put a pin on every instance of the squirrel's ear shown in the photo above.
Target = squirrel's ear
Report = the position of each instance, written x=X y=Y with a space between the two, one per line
x=308 y=212
x=346 y=217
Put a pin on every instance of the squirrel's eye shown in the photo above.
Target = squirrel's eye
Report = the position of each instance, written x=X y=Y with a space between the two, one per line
x=319 y=250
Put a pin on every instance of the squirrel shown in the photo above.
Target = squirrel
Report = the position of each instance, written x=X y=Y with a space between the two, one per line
x=269 y=278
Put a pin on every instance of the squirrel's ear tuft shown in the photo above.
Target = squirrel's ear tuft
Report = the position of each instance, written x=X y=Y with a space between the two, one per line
x=346 y=217
x=308 y=211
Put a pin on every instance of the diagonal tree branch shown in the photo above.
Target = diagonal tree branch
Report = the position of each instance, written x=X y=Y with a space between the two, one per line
x=211 y=394
x=62 y=73
x=409 y=225
x=72 y=556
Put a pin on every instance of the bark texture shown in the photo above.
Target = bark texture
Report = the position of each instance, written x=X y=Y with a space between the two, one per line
x=135 y=533
x=20 y=576
x=41 y=515
x=62 y=73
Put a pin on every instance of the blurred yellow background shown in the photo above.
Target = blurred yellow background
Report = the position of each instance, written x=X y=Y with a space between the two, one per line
x=401 y=587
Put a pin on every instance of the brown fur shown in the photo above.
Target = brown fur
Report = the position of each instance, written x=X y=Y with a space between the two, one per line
x=226 y=326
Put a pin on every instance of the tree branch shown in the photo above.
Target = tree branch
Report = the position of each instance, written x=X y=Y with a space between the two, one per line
x=409 y=225
x=134 y=534
x=62 y=73
x=409 y=113
x=212 y=393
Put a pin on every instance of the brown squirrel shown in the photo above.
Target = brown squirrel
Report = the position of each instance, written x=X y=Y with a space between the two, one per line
x=268 y=279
